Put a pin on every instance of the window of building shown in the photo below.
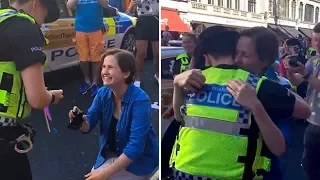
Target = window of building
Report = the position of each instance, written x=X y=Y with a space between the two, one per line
x=316 y=17
x=293 y=8
x=270 y=7
x=283 y=8
x=237 y=4
x=301 y=11
x=4 y=4
x=229 y=4
x=209 y=2
x=252 y=6
x=308 y=13
x=220 y=2
x=286 y=2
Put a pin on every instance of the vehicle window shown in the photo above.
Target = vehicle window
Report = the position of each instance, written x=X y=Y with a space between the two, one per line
x=4 y=4
x=109 y=12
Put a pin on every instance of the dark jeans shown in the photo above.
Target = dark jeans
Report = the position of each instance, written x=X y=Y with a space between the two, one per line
x=311 y=154
x=166 y=147
x=15 y=166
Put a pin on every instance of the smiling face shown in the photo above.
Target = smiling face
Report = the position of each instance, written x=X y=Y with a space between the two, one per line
x=188 y=44
x=111 y=73
x=246 y=56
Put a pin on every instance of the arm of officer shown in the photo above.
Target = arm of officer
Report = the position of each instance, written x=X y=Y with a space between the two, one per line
x=26 y=44
x=246 y=95
x=190 y=80
x=281 y=103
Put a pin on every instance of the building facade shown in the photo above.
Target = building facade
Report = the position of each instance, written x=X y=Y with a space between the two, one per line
x=288 y=18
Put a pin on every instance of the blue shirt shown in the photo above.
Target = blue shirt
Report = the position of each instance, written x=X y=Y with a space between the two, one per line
x=135 y=136
x=89 y=16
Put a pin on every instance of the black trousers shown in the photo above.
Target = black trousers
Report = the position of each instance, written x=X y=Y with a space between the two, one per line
x=311 y=156
x=147 y=28
x=166 y=147
x=15 y=166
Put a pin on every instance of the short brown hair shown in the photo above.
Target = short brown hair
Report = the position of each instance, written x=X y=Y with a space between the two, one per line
x=191 y=35
x=265 y=41
x=125 y=59
x=316 y=28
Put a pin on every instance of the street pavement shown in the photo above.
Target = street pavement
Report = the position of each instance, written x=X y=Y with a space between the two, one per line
x=64 y=154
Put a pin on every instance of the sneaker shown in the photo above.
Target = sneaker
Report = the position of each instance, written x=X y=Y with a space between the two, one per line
x=84 y=88
x=94 y=90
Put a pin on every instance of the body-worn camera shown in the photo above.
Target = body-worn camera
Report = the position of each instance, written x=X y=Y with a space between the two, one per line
x=77 y=121
x=293 y=61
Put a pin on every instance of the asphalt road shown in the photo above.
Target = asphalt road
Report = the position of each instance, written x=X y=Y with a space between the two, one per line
x=64 y=154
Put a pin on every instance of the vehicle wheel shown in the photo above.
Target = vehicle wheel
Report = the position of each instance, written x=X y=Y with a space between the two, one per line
x=129 y=41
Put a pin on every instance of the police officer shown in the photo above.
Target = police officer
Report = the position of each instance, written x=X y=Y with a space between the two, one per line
x=183 y=60
x=22 y=85
x=221 y=138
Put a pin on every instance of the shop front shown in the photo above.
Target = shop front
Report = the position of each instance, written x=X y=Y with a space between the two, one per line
x=171 y=19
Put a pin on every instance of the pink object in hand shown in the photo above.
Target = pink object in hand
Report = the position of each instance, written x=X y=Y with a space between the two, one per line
x=47 y=113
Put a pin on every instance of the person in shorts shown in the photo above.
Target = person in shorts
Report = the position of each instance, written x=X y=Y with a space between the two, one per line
x=147 y=29
x=89 y=40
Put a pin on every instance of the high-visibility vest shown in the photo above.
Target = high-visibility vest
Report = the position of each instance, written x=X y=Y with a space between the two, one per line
x=184 y=61
x=13 y=101
x=213 y=141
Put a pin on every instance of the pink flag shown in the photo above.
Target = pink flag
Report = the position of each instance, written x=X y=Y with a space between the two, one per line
x=47 y=113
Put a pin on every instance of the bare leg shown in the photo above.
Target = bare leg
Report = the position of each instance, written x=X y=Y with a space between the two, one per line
x=141 y=54
x=95 y=72
x=85 y=70
x=155 y=51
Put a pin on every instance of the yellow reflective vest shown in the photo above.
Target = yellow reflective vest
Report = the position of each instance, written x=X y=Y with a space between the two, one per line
x=213 y=141
x=184 y=61
x=13 y=101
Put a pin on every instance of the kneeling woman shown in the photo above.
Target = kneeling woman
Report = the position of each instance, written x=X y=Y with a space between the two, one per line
x=129 y=147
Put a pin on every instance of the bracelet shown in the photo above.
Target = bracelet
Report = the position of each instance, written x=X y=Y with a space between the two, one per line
x=53 y=98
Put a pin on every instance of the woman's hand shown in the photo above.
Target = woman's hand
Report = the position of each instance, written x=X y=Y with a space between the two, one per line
x=99 y=174
x=244 y=93
x=71 y=113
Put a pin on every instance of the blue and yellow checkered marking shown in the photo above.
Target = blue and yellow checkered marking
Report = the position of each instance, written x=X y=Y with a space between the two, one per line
x=119 y=24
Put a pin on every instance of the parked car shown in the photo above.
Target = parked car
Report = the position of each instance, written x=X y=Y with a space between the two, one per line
x=168 y=56
x=175 y=43
x=61 y=52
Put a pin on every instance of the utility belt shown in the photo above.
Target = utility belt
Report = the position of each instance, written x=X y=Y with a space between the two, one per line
x=16 y=137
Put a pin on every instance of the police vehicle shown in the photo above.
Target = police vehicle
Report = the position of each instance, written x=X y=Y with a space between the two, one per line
x=61 y=52
x=168 y=56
